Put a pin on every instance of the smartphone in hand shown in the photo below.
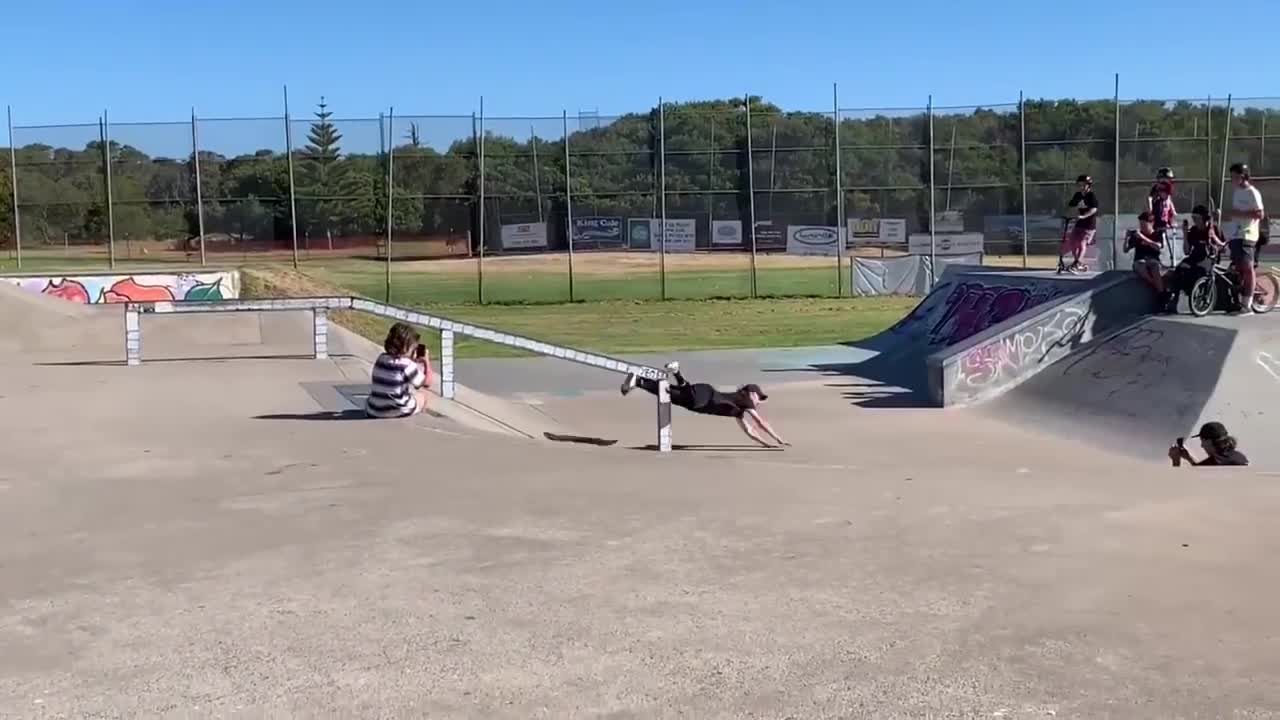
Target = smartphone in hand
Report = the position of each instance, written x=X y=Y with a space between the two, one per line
x=420 y=352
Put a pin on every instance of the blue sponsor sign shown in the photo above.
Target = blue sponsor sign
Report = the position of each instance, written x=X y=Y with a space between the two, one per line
x=597 y=231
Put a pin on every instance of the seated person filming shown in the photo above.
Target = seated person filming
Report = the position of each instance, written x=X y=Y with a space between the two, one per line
x=401 y=375
x=1147 y=245
x=1219 y=447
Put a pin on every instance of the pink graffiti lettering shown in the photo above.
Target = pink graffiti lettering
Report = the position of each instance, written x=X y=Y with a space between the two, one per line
x=972 y=307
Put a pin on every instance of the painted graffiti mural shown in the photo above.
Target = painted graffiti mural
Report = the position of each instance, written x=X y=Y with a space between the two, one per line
x=95 y=289
x=964 y=309
x=1005 y=358
x=974 y=306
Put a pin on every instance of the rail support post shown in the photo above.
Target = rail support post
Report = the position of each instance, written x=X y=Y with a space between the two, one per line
x=320 y=321
x=132 y=336
x=664 y=416
x=446 y=364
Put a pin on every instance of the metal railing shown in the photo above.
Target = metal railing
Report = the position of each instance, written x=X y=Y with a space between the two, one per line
x=320 y=307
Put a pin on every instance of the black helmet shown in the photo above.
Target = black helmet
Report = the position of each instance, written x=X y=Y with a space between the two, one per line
x=1241 y=169
x=1164 y=173
x=1085 y=179
x=1200 y=211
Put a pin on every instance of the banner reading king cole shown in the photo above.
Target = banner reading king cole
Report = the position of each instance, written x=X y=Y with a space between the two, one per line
x=597 y=232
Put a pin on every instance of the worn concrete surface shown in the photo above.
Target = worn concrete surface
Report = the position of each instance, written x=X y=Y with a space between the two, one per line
x=189 y=539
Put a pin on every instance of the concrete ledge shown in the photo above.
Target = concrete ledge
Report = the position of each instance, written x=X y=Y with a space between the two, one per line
x=1006 y=354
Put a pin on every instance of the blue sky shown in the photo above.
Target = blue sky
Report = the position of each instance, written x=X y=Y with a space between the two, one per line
x=65 y=61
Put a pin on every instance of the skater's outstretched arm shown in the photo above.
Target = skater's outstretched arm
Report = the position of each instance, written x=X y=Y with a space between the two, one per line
x=758 y=419
x=751 y=432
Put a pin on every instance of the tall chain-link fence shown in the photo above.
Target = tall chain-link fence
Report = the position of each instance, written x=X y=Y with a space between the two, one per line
x=726 y=198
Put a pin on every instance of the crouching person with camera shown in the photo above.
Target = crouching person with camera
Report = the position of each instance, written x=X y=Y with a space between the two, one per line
x=1221 y=449
x=401 y=376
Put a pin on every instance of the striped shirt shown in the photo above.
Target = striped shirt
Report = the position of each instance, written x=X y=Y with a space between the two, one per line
x=392 y=386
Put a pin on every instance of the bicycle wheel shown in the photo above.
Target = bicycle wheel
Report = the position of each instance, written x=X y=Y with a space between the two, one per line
x=1203 y=296
x=1266 y=292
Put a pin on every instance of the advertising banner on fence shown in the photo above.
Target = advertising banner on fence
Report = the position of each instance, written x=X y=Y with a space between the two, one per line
x=524 y=236
x=949 y=221
x=878 y=231
x=813 y=240
x=770 y=237
x=641 y=234
x=595 y=231
x=947 y=244
x=1008 y=228
x=646 y=234
x=726 y=233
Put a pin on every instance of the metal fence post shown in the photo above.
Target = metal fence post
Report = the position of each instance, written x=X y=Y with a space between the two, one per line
x=320 y=337
x=662 y=196
x=447 y=388
x=1208 y=150
x=391 y=155
x=751 y=197
x=841 y=223
x=1226 y=150
x=568 y=197
x=293 y=195
x=1115 y=214
x=132 y=336
x=933 y=217
x=1022 y=153
x=106 y=173
x=13 y=186
x=664 y=416
x=483 y=219
x=195 y=159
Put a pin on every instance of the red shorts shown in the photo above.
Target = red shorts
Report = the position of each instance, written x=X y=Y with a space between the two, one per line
x=1078 y=239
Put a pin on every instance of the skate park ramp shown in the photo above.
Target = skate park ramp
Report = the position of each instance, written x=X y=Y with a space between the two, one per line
x=972 y=306
x=1136 y=390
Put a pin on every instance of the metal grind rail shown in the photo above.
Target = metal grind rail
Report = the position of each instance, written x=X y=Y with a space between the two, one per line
x=449 y=329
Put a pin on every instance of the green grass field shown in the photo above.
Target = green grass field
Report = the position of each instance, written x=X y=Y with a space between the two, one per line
x=613 y=326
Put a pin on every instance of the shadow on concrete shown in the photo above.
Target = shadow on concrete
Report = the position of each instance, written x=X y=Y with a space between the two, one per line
x=710 y=448
x=148 y=361
x=863 y=390
x=351 y=414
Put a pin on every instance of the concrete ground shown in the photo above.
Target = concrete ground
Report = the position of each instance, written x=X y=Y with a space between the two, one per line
x=202 y=539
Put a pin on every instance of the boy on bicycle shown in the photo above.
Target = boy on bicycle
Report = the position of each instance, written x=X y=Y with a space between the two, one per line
x=1202 y=240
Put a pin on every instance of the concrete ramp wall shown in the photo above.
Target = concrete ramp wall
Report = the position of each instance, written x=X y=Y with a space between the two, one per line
x=991 y=362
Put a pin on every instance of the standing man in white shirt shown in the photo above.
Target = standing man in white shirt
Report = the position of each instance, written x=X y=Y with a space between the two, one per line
x=1246 y=215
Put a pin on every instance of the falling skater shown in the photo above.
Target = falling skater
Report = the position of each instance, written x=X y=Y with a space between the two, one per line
x=702 y=398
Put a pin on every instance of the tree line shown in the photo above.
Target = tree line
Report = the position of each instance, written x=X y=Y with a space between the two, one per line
x=885 y=169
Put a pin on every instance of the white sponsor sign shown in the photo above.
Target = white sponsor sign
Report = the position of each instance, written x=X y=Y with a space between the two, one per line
x=681 y=234
x=949 y=221
x=947 y=244
x=886 y=231
x=813 y=240
x=726 y=232
x=524 y=235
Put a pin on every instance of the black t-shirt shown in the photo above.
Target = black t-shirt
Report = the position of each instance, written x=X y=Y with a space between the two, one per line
x=709 y=401
x=1231 y=457
x=1197 y=244
x=1083 y=201
x=1142 y=251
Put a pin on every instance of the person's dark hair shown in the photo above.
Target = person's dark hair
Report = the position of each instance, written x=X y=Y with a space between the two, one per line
x=742 y=396
x=1225 y=445
x=1241 y=169
x=1146 y=216
x=1201 y=211
x=1085 y=179
x=401 y=339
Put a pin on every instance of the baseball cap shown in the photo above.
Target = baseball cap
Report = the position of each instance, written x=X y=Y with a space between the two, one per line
x=752 y=387
x=1212 y=431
